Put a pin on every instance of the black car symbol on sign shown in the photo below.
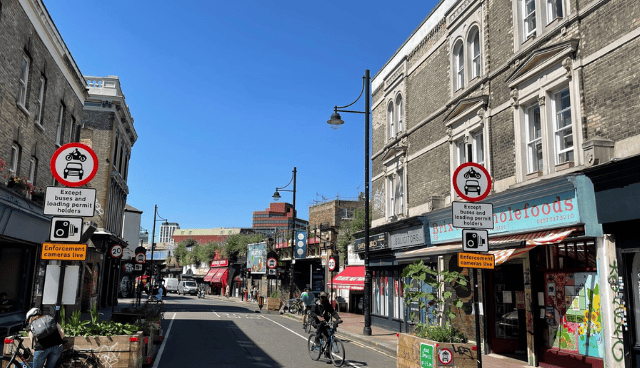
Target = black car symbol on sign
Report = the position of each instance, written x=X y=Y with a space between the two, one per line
x=73 y=169
x=471 y=186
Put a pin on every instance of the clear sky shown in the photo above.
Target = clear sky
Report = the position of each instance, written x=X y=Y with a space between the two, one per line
x=229 y=96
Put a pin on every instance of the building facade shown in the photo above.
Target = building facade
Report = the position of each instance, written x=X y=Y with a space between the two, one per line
x=41 y=96
x=278 y=217
x=166 y=232
x=204 y=236
x=546 y=99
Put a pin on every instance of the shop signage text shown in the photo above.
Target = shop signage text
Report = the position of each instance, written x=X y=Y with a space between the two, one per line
x=376 y=242
x=220 y=263
x=64 y=252
x=546 y=212
x=413 y=236
x=475 y=260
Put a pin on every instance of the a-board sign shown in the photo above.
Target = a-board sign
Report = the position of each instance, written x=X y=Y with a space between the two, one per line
x=60 y=201
x=475 y=260
x=472 y=182
x=116 y=251
x=475 y=240
x=65 y=229
x=74 y=164
x=64 y=252
x=476 y=215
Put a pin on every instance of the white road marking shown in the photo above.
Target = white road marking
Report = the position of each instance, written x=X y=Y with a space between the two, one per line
x=217 y=315
x=164 y=342
x=307 y=338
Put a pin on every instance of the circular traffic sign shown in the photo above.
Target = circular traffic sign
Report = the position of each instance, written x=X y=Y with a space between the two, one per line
x=445 y=356
x=116 y=251
x=472 y=182
x=74 y=164
x=141 y=258
x=272 y=263
x=332 y=264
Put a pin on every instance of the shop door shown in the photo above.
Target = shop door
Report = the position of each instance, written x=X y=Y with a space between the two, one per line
x=506 y=312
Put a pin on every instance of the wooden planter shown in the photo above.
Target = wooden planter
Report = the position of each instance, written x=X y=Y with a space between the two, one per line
x=122 y=351
x=273 y=304
x=413 y=349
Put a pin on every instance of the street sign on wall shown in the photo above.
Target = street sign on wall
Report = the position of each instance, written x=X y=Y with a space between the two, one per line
x=476 y=260
x=64 y=252
x=116 y=251
x=65 y=229
x=74 y=164
x=60 y=201
x=472 y=215
x=475 y=240
x=472 y=182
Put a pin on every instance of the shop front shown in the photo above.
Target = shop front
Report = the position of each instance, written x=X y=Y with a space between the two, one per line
x=349 y=281
x=217 y=276
x=541 y=302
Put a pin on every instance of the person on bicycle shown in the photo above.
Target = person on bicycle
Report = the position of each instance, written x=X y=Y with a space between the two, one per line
x=323 y=309
x=308 y=299
x=47 y=349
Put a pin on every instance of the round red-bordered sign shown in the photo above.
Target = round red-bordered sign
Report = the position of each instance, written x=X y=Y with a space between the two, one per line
x=332 y=264
x=74 y=164
x=445 y=356
x=272 y=263
x=141 y=258
x=116 y=251
x=472 y=182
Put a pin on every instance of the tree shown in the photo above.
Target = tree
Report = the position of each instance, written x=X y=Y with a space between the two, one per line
x=184 y=252
x=348 y=229
x=236 y=244
x=207 y=252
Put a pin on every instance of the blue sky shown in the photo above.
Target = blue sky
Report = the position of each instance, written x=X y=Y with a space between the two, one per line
x=228 y=97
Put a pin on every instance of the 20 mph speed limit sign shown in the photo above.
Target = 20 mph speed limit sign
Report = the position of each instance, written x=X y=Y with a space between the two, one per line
x=116 y=251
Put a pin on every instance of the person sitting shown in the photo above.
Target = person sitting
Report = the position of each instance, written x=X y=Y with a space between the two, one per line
x=323 y=309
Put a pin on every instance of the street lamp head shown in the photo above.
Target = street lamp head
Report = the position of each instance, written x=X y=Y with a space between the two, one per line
x=335 y=121
x=276 y=196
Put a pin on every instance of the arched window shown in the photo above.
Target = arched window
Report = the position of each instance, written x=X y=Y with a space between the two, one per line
x=399 y=113
x=459 y=64
x=474 y=51
x=390 y=121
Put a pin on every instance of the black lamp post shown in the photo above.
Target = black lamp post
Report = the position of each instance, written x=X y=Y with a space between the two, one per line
x=276 y=197
x=153 y=241
x=336 y=122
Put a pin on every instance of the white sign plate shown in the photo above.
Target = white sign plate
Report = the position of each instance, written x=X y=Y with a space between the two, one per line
x=61 y=201
x=141 y=258
x=475 y=240
x=472 y=215
x=66 y=229
x=137 y=267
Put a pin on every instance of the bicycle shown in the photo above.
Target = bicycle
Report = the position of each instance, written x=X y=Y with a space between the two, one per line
x=306 y=325
x=68 y=358
x=331 y=347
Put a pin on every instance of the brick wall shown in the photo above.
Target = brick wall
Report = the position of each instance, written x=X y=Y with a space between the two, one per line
x=428 y=175
x=502 y=145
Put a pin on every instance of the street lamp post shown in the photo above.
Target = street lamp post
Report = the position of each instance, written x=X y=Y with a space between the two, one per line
x=276 y=196
x=153 y=242
x=336 y=122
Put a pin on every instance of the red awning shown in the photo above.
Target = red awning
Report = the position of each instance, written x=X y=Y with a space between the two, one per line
x=210 y=274
x=215 y=272
x=531 y=240
x=351 y=278
x=220 y=277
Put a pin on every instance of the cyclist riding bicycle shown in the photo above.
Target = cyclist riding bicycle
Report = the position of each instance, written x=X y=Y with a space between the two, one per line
x=323 y=309
x=308 y=299
x=47 y=345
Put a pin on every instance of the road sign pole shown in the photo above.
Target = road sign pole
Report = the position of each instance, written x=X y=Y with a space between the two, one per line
x=476 y=301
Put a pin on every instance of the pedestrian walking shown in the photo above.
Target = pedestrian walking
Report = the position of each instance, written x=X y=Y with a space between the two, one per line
x=46 y=337
x=227 y=292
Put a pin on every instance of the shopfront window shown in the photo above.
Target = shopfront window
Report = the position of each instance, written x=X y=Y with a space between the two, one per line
x=398 y=298
x=14 y=265
x=380 y=291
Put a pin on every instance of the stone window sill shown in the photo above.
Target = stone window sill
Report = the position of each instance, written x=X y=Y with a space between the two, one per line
x=24 y=109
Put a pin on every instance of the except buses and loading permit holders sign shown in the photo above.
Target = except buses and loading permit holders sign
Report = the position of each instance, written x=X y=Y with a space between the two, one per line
x=76 y=202
x=64 y=252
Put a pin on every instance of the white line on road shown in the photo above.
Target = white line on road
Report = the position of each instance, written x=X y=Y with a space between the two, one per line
x=217 y=315
x=306 y=338
x=164 y=342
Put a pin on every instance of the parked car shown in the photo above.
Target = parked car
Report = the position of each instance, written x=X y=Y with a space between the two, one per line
x=187 y=287
x=171 y=284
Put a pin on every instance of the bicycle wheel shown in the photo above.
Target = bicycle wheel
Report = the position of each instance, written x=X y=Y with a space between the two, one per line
x=307 y=327
x=337 y=352
x=14 y=364
x=76 y=360
x=315 y=350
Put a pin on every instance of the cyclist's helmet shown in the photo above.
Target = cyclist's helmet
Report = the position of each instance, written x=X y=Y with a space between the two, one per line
x=32 y=312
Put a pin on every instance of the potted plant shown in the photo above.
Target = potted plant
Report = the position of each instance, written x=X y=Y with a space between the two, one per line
x=37 y=195
x=420 y=347
x=273 y=301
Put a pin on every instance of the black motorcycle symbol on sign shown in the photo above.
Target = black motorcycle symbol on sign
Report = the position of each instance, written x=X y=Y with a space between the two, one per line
x=472 y=174
x=76 y=155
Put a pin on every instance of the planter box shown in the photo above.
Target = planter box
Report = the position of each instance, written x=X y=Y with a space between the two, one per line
x=122 y=351
x=411 y=349
x=273 y=304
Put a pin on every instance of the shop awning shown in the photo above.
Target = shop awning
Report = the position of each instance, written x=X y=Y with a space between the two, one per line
x=215 y=272
x=221 y=276
x=531 y=240
x=210 y=274
x=436 y=250
x=351 y=278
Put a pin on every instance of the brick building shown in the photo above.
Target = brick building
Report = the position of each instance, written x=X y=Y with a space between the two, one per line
x=204 y=236
x=107 y=127
x=544 y=95
x=41 y=96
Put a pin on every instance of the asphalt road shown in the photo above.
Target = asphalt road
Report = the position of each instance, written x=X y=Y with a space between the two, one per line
x=222 y=334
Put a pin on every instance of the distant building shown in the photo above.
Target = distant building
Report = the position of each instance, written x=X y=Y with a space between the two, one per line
x=131 y=231
x=166 y=231
x=278 y=217
x=143 y=237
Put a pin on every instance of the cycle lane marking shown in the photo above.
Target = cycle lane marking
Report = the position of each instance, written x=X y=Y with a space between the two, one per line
x=307 y=338
x=164 y=342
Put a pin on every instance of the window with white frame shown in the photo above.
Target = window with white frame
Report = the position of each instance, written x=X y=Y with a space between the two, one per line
x=40 y=102
x=478 y=147
x=459 y=64
x=563 y=129
x=400 y=126
x=554 y=10
x=33 y=169
x=73 y=130
x=529 y=18
x=474 y=50
x=461 y=151
x=15 y=159
x=391 y=200
x=60 y=130
x=535 y=160
x=391 y=133
x=399 y=193
x=24 y=80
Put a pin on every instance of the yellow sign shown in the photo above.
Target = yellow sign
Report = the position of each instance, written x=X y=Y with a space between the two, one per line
x=475 y=260
x=64 y=252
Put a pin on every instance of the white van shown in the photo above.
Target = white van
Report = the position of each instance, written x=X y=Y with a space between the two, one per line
x=171 y=284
